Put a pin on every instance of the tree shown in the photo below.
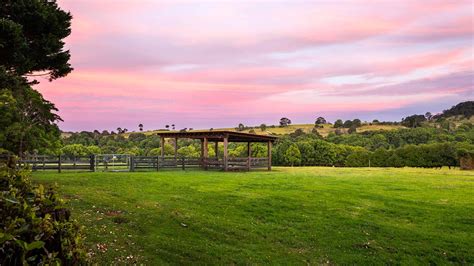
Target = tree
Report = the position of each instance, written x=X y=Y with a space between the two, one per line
x=119 y=130
x=31 y=38
x=428 y=116
x=263 y=127
x=27 y=120
x=284 y=122
x=413 y=121
x=359 y=158
x=293 y=155
x=167 y=126
x=140 y=127
x=375 y=121
x=356 y=122
x=465 y=109
x=173 y=127
x=347 y=124
x=241 y=127
x=320 y=121
x=31 y=34
x=338 y=123
x=298 y=132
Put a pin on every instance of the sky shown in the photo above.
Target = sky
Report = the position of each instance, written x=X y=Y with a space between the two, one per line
x=203 y=64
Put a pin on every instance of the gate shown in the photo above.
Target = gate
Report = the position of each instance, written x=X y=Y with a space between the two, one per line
x=112 y=162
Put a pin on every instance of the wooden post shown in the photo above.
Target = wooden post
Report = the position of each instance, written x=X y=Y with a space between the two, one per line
x=202 y=153
x=216 y=149
x=59 y=164
x=162 y=147
x=269 y=154
x=226 y=142
x=249 y=153
x=157 y=163
x=132 y=163
x=92 y=163
x=175 y=150
x=205 y=153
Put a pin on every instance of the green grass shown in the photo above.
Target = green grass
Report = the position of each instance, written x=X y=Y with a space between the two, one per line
x=287 y=216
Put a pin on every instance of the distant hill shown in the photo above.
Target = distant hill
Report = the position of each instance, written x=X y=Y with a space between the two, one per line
x=460 y=113
x=277 y=130
x=464 y=109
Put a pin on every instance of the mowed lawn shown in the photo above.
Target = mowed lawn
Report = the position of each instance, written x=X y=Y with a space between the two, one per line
x=287 y=216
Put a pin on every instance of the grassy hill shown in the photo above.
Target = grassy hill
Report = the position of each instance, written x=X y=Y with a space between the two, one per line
x=327 y=128
x=277 y=130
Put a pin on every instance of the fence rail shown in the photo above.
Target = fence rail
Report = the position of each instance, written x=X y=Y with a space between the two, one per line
x=122 y=162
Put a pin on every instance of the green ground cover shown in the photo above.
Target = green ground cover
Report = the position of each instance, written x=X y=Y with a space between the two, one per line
x=288 y=216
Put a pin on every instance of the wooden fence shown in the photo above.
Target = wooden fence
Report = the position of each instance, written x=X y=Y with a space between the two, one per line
x=131 y=163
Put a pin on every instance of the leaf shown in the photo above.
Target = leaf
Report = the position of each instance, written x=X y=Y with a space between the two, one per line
x=34 y=245
x=5 y=237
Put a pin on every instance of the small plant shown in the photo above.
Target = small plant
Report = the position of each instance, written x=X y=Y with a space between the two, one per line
x=35 y=226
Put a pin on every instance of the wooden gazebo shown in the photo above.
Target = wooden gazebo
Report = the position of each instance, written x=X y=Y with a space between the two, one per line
x=226 y=163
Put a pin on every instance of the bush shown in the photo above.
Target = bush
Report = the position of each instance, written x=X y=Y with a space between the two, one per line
x=293 y=155
x=359 y=158
x=35 y=227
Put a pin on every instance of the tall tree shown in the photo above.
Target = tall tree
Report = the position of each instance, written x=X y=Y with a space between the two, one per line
x=284 y=122
x=413 y=120
x=140 y=127
x=356 y=122
x=338 y=123
x=31 y=44
x=31 y=38
x=320 y=120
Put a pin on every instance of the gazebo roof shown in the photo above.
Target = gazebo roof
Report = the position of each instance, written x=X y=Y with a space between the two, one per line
x=218 y=135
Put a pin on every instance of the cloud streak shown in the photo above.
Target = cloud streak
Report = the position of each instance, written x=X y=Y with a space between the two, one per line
x=218 y=63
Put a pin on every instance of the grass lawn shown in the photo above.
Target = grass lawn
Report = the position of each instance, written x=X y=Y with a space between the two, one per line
x=288 y=216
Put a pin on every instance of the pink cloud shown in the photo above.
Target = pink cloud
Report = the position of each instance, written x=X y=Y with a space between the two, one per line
x=210 y=64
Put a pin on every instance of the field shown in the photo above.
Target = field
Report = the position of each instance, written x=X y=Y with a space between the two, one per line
x=288 y=216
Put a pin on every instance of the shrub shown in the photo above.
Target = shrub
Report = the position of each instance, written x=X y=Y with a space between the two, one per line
x=359 y=158
x=35 y=227
x=293 y=155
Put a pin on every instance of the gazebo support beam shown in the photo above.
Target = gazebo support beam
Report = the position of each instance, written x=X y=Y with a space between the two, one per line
x=226 y=142
x=205 y=153
x=269 y=154
x=175 y=149
x=162 y=140
x=249 y=153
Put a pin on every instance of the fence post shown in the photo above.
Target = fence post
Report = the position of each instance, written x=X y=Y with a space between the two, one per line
x=59 y=163
x=132 y=163
x=182 y=162
x=157 y=163
x=92 y=163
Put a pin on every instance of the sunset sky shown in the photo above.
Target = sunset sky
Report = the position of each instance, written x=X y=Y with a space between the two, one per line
x=205 y=64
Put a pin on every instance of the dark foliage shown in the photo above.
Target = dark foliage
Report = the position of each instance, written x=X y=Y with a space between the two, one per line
x=465 y=109
x=413 y=120
x=31 y=34
x=35 y=226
